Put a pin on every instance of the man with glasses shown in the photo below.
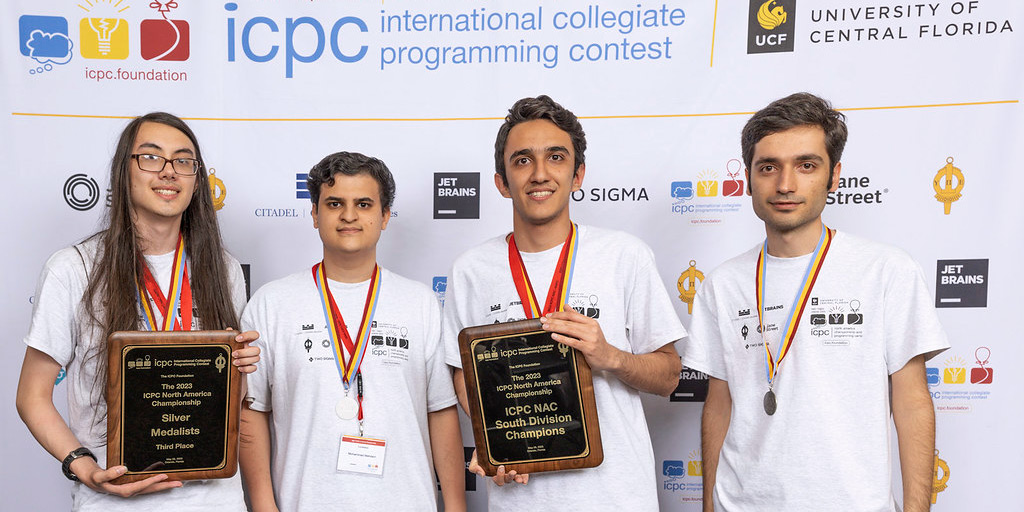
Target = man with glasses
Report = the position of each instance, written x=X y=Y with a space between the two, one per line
x=160 y=233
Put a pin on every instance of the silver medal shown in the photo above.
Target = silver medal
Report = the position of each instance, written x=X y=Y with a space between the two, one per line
x=769 y=402
x=347 y=408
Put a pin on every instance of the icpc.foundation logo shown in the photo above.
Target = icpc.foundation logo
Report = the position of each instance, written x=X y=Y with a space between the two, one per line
x=684 y=476
x=707 y=197
x=164 y=38
x=45 y=40
x=770 y=26
x=959 y=386
x=102 y=34
x=948 y=184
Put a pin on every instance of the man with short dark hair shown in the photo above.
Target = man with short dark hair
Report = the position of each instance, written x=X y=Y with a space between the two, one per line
x=627 y=334
x=805 y=336
x=363 y=409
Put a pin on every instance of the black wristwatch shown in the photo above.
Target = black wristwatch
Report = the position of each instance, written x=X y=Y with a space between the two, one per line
x=65 y=466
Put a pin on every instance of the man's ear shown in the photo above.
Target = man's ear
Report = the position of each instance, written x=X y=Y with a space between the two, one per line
x=499 y=182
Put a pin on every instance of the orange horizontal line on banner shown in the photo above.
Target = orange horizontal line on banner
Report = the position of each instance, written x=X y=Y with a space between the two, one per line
x=421 y=119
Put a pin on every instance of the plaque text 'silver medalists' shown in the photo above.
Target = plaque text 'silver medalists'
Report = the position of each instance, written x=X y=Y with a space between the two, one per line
x=173 y=399
x=531 y=398
x=173 y=396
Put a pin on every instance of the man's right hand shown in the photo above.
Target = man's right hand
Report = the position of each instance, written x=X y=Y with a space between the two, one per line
x=501 y=478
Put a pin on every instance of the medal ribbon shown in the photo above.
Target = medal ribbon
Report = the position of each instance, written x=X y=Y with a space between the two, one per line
x=771 y=365
x=342 y=341
x=179 y=295
x=561 y=280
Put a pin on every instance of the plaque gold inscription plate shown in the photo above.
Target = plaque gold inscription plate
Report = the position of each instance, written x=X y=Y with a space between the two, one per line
x=173 y=399
x=531 y=399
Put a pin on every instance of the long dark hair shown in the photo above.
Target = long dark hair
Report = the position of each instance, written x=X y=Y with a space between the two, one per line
x=110 y=297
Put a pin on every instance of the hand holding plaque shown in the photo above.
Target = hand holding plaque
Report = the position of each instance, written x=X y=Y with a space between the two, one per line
x=531 y=400
x=173 y=400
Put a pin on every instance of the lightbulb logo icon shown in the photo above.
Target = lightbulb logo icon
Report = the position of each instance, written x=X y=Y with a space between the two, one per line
x=104 y=37
x=164 y=38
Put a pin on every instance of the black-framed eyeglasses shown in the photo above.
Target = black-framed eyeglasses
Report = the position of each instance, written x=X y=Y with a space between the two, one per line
x=155 y=163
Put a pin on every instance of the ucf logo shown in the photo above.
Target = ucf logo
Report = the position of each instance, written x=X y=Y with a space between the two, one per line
x=217 y=190
x=687 y=285
x=945 y=191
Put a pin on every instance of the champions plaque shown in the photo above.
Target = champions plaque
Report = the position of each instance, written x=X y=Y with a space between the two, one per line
x=531 y=400
x=173 y=399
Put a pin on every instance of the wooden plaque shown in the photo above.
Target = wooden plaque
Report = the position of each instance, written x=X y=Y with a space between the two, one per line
x=173 y=399
x=531 y=399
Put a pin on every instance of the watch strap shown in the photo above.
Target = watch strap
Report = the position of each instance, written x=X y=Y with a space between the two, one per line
x=65 y=466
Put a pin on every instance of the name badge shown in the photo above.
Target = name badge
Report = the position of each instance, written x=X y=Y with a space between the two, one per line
x=362 y=455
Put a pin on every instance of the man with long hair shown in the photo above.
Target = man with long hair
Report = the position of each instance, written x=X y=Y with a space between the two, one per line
x=160 y=206
x=612 y=307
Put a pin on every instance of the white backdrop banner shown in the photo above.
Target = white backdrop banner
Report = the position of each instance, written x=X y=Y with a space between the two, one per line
x=930 y=89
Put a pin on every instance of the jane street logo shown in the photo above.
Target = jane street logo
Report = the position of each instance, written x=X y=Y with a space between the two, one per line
x=456 y=195
x=948 y=184
x=687 y=285
x=770 y=26
x=81 y=192
x=961 y=283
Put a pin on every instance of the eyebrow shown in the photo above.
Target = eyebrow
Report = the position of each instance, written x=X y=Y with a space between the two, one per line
x=528 y=151
x=366 y=199
x=812 y=157
x=149 y=145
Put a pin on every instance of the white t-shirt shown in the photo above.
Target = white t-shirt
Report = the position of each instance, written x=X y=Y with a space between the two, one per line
x=827 y=447
x=62 y=329
x=615 y=281
x=404 y=378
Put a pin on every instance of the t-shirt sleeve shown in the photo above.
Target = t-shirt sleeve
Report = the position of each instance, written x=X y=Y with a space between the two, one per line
x=452 y=321
x=651 y=321
x=236 y=278
x=911 y=325
x=53 y=329
x=254 y=318
x=703 y=351
x=440 y=392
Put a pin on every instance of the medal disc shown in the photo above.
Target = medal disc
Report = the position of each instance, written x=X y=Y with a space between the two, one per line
x=769 y=402
x=347 y=408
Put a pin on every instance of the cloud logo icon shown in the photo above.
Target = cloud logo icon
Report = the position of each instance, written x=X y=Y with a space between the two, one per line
x=440 y=284
x=47 y=47
x=673 y=468
x=682 y=190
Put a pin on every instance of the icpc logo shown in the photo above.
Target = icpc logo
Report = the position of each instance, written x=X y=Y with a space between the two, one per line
x=440 y=286
x=770 y=26
x=708 y=197
x=678 y=472
x=45 y=40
